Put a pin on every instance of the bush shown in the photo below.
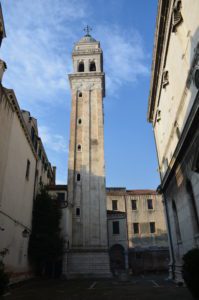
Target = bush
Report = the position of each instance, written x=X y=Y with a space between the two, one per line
x=4 y=279
x=45 y=244
x=191 y=271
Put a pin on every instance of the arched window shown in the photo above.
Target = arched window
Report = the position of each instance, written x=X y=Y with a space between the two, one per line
x=92 y=67
x=176 y=221
x=79 y=121
x=79 y=147
x=80 y=94
x=78 y=177
x=81 y=67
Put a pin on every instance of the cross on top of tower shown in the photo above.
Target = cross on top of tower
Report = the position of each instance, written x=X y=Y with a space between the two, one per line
x=87 y=29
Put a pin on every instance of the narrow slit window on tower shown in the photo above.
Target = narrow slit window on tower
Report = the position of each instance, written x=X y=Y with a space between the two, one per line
x=80 y=94
x=78 y=177
x=77 y=211
x=92 y=67
x=79 y=147
x=81 y=67
x=79 y=121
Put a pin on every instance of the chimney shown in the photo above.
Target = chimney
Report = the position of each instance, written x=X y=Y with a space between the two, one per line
x=54 y=175
x=3 y=67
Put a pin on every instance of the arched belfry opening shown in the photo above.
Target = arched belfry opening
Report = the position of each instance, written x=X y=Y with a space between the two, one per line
x=92 y=67
x=81 y=67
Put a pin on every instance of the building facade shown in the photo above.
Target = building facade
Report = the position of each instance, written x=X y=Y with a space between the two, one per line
x=173 y=111
x=88 y=255
x=24 y=166
x=136 y=230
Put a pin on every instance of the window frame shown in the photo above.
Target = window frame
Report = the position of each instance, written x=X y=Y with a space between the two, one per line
x=134 y=209
x=114 y=202
x=116 y=227
x=138 y=227
x=152 y=207
x=27 y=169
x=150 y=227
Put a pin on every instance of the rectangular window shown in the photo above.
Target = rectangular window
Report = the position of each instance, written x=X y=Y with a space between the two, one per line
x=77 y=211
x=114 y=204
x=150 y=203
x=78 y=177
x=134 y=204
x=27 y=169
x=152 y=227
x=60 y=197
x=116 y=227
x=136 y=228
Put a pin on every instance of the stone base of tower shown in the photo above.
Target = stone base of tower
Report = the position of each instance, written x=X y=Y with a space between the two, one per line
x=87 y=264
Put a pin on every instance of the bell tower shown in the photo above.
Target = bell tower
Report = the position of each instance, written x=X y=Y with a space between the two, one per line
x=88 y=251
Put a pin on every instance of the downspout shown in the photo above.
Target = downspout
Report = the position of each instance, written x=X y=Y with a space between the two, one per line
x=159 y=189
x=127 y=230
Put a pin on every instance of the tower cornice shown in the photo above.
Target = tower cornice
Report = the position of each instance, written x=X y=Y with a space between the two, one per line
x=88 y=76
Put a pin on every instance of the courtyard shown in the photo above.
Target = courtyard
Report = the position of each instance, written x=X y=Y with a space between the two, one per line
x=135 y=288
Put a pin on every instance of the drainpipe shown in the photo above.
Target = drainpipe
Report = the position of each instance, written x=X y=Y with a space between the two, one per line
x=159 y=190
x=170 y=236
x=127 y=233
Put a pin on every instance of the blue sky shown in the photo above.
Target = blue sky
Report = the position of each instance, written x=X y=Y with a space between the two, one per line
x=37 y=50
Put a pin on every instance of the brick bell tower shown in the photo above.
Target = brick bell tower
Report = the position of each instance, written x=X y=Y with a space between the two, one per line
x=88 y=250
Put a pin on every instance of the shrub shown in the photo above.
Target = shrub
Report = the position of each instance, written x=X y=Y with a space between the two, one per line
x=4 y=279
x=191 y=271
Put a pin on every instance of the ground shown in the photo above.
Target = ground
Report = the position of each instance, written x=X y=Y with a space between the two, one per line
x=136 y=288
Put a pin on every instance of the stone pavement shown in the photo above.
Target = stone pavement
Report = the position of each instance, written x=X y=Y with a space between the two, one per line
x=136 y=288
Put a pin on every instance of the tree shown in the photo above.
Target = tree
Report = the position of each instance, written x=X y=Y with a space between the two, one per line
x=46 y=243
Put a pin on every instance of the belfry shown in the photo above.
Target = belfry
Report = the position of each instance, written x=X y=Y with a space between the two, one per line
x=88 y=250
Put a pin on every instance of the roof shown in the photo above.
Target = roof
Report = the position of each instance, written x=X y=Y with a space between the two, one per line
x=114 y=191
x=87 y=39
x=159 y=38
x=57 y=187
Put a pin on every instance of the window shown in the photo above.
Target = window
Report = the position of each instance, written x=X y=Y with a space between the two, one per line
x=92 y=66
x=152 y=227
x=150 y=203
x=158 y=116
x=79 y=147
x=165 y=79
x=116 y=227
x=114 y=204
x=134 y=204
x=178 y=132
x=78 y=177
x=177 y=16
x=77 y=211
x=80 y=94
x=81 y=67
x=60 y=197
x=79 y=121
x=39 y=153
x=136 y=228
x=27 y=169
x=32 y=135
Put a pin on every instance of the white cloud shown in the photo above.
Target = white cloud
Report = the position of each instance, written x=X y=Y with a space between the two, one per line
x=52 y=141
x=124 y=56
x=36 y=49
